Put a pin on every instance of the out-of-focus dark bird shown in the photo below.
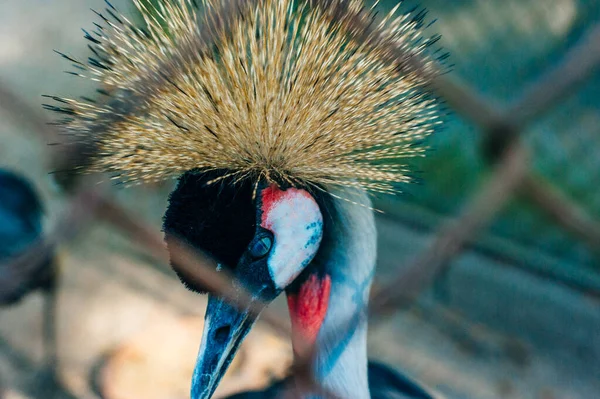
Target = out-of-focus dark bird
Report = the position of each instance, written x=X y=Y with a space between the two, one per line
x=278 y=117
x=21 y=217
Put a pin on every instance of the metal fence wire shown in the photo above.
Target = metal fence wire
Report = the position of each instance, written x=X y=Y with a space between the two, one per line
x=514 y=169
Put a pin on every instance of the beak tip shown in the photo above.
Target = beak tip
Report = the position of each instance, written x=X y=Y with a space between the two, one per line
x=201 y=386
x=199 y=392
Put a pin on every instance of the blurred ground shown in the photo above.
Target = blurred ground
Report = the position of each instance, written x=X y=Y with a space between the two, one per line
x=487 y=330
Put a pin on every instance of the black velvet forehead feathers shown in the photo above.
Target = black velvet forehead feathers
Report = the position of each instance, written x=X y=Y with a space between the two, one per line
x=218 y=218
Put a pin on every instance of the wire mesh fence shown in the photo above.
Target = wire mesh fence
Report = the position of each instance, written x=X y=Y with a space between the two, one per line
x=518 y=159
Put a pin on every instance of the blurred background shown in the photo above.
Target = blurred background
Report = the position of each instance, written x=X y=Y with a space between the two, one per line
x=512 y=309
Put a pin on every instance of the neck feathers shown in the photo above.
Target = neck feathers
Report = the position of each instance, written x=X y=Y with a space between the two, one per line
x=349 y=256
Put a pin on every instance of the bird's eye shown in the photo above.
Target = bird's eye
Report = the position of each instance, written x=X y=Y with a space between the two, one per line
x=261 y=247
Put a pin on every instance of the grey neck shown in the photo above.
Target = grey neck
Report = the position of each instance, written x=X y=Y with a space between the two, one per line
x=341 y=364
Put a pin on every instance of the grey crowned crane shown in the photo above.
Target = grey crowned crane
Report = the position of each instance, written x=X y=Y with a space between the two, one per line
x=279 y=117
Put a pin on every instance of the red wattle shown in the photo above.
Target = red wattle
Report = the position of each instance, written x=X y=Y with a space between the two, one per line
x=308 y=309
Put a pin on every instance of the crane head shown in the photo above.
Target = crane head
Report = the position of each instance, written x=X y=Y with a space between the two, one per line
x=264 y=235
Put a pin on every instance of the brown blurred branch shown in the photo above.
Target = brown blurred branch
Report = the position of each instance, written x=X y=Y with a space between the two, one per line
x=555 y=85
x=17 y=109
x=562 y=209
x=450 y=239
x=465 y=101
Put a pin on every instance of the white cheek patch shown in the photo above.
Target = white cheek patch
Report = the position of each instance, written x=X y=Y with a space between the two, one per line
x=297 y=224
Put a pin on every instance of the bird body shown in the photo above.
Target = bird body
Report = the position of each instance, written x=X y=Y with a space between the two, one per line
x=279 y=117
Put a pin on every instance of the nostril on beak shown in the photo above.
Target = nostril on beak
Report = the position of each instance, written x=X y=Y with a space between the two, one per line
x=222 y=334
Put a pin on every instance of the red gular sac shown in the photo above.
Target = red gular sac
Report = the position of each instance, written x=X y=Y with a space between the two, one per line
x=308 y=308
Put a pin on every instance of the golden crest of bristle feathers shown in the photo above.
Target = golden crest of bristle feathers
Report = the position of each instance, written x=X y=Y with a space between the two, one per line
x=281 y=89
